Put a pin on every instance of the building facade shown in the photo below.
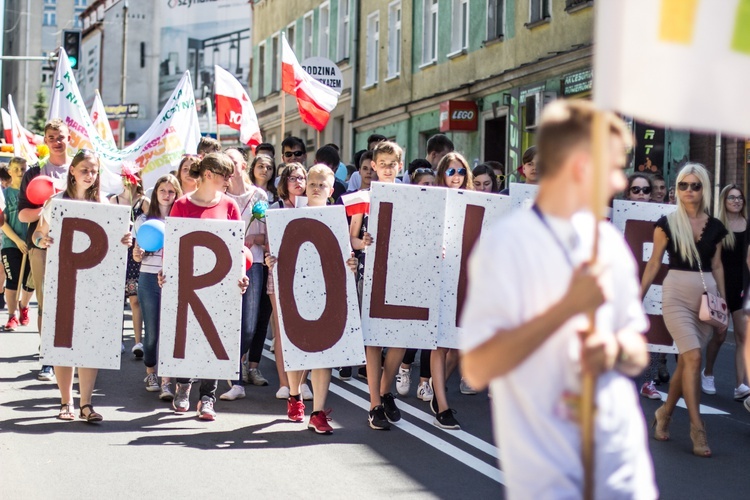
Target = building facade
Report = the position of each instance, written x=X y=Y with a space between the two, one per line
x=313 y=28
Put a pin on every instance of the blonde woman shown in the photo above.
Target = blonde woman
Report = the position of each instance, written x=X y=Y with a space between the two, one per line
x=693 y=240
x=733 y=214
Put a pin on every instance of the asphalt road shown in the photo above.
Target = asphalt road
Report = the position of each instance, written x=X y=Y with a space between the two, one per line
x=252 y=451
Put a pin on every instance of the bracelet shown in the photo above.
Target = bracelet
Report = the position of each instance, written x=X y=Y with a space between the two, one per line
x=38 y=240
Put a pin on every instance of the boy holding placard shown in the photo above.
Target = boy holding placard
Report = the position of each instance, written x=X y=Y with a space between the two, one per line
x=320 y=181
x=387 y=163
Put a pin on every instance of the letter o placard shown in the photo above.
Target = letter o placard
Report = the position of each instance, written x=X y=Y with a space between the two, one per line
x=326 y=331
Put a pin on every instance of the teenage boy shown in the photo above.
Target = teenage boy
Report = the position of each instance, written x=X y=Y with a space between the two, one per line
x=320 y=179
x=56 y=137
x=528 y=168
x=329 y=156
x=659 y=190
x=521 y=324
x=387 y=163
x=293 y=149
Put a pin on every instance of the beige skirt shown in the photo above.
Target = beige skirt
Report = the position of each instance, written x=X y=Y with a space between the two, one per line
x=681 y=301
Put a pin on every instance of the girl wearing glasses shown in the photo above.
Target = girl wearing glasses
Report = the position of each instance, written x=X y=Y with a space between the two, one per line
x=453 y=173
x=693 y=239
x=262 y=173
x=292 y=185
x=639 y=188
x=82 y=184
x=733 y=214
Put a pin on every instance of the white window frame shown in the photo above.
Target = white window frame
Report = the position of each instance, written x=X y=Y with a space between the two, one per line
x=324 y=29
x=541 y=4
x=430 y=15
x=459 y=27
x=49 y=16
x=261 y=69
x=275 y=64
x=395 y=17
x=344 y=35
x=499 y=13
x=307 y=35
x=291 y=39
x=372 y=51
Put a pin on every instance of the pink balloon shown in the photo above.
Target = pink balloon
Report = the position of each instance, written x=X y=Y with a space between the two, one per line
x=40 y=189
x=248 y=258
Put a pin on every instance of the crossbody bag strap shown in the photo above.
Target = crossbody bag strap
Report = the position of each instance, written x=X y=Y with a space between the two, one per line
x=700 y=270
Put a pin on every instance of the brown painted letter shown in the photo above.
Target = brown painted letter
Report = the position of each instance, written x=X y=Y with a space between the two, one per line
x=473 y=218
x=69 y=265
x=378 y=307
x=324 y=332
x=188 y=284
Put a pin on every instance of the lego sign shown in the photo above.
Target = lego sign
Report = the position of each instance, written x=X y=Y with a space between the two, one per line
x=459 y=116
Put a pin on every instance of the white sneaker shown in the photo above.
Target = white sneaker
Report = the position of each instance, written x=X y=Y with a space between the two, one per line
x=403 y=381
x=424 y=392
x=255 y=377
x=282 y=393
x=137 y=350
x=707 y=383
x=305 y=392
x=236 y=392
x=741 y=392
x=152 y=383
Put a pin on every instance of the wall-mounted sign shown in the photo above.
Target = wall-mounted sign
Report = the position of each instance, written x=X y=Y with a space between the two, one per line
x=117 y=111
x=577 y=83
x=459 y=116
x=325 y=71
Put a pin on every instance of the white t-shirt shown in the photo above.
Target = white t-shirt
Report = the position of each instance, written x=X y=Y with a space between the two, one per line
x=516 y=273
x=152 y=261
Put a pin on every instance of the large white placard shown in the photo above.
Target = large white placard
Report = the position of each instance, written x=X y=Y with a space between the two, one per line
x=315 y=290
x=401 y=296
x=84 y=284
x=201 y=302
x=467 y=215
x=636 y=221
x=522 y=196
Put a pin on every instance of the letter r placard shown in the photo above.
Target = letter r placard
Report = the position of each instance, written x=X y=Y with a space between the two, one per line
x=83 y=284
x=201 y=302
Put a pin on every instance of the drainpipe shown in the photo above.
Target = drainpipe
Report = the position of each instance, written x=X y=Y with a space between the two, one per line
x=354 y=58
x=717 y=173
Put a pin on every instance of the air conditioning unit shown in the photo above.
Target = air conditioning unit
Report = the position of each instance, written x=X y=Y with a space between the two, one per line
x=534 y=104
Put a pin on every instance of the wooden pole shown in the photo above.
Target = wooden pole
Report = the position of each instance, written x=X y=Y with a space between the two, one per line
x=317 y=140
x=601 y=160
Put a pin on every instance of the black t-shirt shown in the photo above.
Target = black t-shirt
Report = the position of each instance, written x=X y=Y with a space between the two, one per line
x=713 y=232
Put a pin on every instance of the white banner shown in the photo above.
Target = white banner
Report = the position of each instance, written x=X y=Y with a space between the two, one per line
x=681 y=63
x=316 y=293
x=201 y=303
x=401 y=296
x=157 y=152
x=467 y=215
x=522 y=196
x=84 y=284
x=636 y=221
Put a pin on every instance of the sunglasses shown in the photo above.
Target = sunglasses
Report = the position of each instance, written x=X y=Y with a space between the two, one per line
x=694 y=186
x=423 y=170
x=639 y=190
x=297 y=154
x=452 y=171
x=732 y=197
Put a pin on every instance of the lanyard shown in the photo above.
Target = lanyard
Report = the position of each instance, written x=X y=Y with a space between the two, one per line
x=560 y=244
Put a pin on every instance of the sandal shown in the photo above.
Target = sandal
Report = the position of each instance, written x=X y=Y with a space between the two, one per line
x=66 y=412
x=92 y=416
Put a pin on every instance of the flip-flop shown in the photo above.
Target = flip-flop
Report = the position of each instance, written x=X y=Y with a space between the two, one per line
x=66 y=412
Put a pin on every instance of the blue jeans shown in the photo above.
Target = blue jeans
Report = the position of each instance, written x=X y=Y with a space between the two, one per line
x=250 y=307
x=149 y=296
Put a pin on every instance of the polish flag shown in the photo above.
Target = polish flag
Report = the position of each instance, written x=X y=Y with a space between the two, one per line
x=34 y=139
x=100 y=120
x=315 y=100
x=356 y=203
x=233 y=108
x=21 y=146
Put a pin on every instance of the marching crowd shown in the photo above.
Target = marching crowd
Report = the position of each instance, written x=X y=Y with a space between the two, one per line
x=705 y=253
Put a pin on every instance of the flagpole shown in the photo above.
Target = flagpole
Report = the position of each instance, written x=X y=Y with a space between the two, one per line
x=282 y=93
x=283 y=114
x=600 y=152
x=317 y=139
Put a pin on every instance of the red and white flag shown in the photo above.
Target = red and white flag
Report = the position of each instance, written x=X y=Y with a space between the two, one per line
x=21 y=146
x=315 y=100
x=356 y=203
x=34 y=139
x=234 y=109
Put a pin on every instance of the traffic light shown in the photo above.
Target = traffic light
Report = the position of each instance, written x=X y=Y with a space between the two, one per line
x=72 y=46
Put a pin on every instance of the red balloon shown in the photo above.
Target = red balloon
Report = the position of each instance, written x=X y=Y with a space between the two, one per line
x=40 y=189
x=248 y=258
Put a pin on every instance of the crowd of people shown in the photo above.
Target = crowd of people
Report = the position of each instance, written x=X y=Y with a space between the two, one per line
x=705 y=253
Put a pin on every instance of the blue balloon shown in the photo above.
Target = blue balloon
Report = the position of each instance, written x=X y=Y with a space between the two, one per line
x=150 y=235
